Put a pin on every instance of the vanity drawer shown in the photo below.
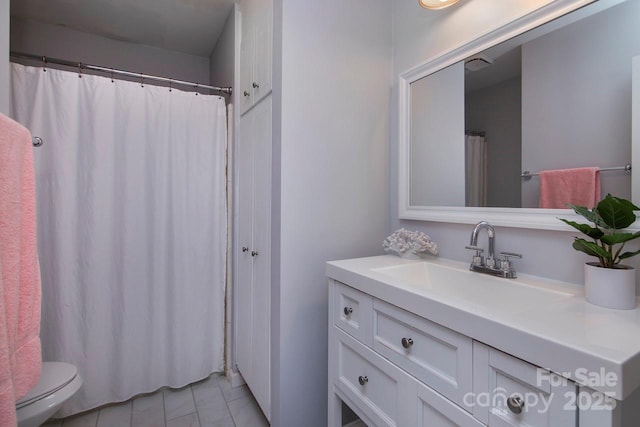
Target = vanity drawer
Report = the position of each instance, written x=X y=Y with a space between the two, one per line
x=352 y=312
x=382 y=391
x=437 y=356
x=436 y=410
x=500 y=378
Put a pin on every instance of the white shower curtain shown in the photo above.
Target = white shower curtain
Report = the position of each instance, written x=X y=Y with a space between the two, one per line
x=475 y=150
x=131 y=228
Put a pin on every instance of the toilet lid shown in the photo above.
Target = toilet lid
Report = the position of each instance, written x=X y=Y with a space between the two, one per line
x=55 y=375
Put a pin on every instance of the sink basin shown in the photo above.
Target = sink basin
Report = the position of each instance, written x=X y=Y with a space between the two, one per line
x=457 y=281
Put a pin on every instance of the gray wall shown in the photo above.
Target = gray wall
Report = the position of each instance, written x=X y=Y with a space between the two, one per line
x=222 y=59
x=64 y=43
x=576 y=87
x=496 y=111
x=420 y=35
x=4 y=57
x=435 y=135
x=332 y=69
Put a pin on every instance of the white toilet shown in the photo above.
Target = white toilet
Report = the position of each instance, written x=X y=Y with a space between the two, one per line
x=58 y=382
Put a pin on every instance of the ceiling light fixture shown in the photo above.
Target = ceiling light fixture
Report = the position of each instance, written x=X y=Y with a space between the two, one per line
x=436 y=4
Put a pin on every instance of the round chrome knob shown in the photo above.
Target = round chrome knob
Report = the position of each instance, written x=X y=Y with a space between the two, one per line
x=363 y=380
x=246 y=93
x=348 y=311
x=407 y=342
x=245 y=249
x=515 y=404
x=255 y=85
x=254 y=253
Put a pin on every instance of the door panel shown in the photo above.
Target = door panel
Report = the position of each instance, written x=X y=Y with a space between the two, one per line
x=244 y=279
x=262 y=261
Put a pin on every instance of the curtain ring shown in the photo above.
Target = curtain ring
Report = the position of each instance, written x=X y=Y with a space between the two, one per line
x=44 y=64
x=112 y=76
x=141 y=80
x=80 y=70
x=196 y=87
x=170 y=84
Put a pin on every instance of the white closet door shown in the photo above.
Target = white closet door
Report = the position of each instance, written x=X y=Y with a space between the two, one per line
x=244 y=278
x=254 y=264
x=635 y=123
x=261 y=306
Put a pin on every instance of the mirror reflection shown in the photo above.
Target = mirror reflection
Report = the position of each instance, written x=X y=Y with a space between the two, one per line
x=557 y=97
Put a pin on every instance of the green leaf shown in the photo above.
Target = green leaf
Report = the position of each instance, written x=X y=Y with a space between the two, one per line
x=629 y=254
x=613 y=239
x=616 y=213
x=588 y=214
x=592 y=232
x=591 y=248
x=626 y=203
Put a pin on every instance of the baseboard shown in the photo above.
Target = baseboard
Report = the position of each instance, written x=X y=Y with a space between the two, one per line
x=234 y=378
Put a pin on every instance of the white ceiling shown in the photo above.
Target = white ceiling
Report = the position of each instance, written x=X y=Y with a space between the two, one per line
x=189 y=26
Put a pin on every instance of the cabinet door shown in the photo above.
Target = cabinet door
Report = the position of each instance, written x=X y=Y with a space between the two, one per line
x=244 y=261
x=263 y=55
x=261 y=324
x=246 y=73
x=509 y=392
x=635 y=123
x=254 y=273
x=256 y=52
x=247 y=13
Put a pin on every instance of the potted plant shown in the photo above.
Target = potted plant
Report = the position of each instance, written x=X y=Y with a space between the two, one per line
x=607 y=282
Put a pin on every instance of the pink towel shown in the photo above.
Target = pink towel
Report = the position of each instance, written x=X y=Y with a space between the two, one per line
x=580 y=186
x=20 y=354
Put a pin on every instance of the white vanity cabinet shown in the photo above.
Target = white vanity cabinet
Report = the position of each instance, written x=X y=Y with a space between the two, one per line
x=430 y=343
x=395 y=368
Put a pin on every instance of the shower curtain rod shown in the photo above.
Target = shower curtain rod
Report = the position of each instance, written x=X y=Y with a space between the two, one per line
x=45 y=60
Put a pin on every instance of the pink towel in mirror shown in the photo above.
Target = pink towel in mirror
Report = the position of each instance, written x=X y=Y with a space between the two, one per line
x=579 y=186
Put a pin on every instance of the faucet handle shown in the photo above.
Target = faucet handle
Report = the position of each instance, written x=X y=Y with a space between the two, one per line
x=477 y=258
x=505 y=262
x=507 y=255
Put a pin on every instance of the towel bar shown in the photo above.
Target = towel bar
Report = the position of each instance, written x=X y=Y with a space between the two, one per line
x=526 y=175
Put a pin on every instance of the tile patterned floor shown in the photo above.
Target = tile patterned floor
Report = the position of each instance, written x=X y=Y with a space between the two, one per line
x=209 y=403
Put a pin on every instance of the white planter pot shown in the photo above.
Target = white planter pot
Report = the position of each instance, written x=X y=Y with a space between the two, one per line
x=610 y=287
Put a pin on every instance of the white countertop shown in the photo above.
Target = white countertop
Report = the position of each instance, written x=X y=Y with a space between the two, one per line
x=545 y=322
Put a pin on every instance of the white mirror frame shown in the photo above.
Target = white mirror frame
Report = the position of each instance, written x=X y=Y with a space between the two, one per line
x=546 y=219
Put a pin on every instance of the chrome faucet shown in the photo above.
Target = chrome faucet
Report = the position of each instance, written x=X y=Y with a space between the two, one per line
x=484 y=225
x=504 y=267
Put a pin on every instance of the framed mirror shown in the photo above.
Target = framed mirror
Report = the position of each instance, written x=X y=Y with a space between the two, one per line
x=552 y=90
